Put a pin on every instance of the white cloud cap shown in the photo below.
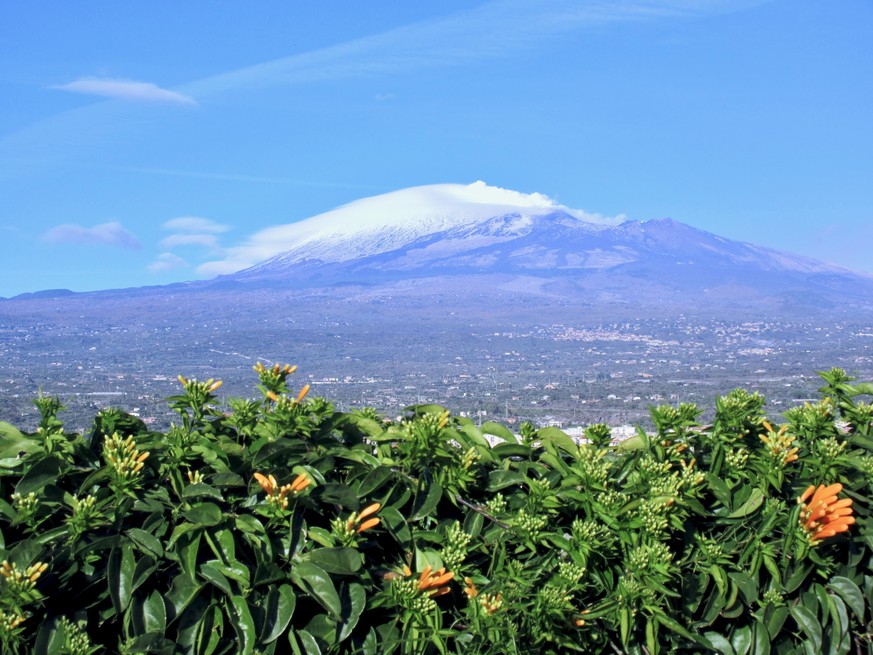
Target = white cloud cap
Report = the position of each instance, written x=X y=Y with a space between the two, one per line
x=384 y=220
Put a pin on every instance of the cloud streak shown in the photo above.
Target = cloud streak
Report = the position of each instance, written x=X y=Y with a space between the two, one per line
x=490 y=31
x=130 y=90
x=194 y=225
x=110 y=234
x=166 y=261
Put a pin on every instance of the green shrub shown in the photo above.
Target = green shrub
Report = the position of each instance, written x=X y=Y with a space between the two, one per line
x=283 y=526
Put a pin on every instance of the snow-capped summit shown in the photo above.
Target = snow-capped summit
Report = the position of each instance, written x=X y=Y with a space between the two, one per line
x=382 y=223
x=454 y=238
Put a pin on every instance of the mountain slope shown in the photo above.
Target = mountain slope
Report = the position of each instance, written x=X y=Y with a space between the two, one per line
x=454 y=239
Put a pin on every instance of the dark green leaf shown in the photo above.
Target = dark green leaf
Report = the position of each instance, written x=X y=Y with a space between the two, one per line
x=212 y=572
x=344 y=561
x=850 y=593
x=807 y=621
x=243 y=625
x=204 y=514
x=755 y=500
x=44 y=472
x=119 y=576
x=200 y=490
x=501 y=479
x=354 y=599
x=316 y=582
x=183 y=590
x=146 y=542
x=374 y=479
x=427 y=498
x=155 y=613
x=280 y=605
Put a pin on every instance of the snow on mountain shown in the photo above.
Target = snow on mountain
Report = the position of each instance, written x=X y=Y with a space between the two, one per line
x=386 y=222
x=453 y=239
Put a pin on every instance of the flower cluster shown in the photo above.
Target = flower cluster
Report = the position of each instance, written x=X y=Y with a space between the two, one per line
x=491 y=603
x=210 y=386
x=779 y=445
x=348 y=529
x=282 y=400
x=417 y=594
x=435 y=583
x=278 y=496
x=455 y=551
x=124 y=459
x=825 y=515
x=85 y=515
x=22 y=584
x=273 y=378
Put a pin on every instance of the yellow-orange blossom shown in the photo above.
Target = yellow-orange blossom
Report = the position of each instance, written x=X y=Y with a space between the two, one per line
x=825 y=515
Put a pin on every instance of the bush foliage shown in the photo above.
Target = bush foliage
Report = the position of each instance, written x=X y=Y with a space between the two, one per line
x=280 y=525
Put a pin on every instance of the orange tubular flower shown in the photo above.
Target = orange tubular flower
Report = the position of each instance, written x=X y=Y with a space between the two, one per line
x=366 y=525
x=825 y=515
x=303 y=392
x=470 y=589
x=267 y=483
x=369 y=510
x=300 y=483
x=434 y=579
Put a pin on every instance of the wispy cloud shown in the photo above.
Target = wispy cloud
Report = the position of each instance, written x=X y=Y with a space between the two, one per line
x=486 y=32
x=110 y=234
x=191 y=231
x=166 y=261
x=177 y=240
x=120 y=89
x=194 y=225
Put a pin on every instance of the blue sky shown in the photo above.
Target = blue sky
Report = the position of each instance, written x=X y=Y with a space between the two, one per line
x=139 y=140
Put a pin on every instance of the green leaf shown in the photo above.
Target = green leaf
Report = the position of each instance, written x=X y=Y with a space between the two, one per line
x=774 y=619
x=427 y=497
x=505 y=450
x=741 y=639
x=499 y=431
x=762 y=640
x=343 y=561
x=354 y=599
x=755 y=500
x=560 y=439
x=807 y=621
x=119 y=576
x=182 y=591
x=200 y=490
x=374 y=479
x=336 y=494
x=317 y=583
x=501 y=479
x=155 y=613
x=849 y=592
x=44 y=472
x=151 y=642
x=146 y=542
x=280 y=603
x=204 y=514
x=212 y=572
x=243 y=625
x=307 y=641
x=719 y=643
x=747 y=585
